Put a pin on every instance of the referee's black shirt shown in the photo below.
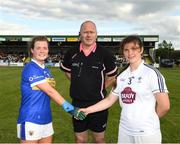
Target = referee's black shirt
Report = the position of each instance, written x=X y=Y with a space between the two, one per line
x=88 y=73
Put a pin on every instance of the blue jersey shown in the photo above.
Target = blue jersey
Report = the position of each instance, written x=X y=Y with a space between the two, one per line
x=35 y=104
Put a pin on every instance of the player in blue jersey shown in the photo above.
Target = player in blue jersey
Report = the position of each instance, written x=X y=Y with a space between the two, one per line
x=37 y=88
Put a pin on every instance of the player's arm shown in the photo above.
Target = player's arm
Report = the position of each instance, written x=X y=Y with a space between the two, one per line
x=102 y=105
x=163 y=103
x=50 y=91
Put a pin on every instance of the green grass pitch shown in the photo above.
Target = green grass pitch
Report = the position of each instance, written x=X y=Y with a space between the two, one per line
x=10 y=101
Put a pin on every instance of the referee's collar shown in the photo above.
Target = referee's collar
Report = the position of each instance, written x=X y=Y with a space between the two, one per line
x=87 y=52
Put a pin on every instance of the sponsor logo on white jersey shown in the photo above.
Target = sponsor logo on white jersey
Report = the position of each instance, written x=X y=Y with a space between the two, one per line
x=128 y=96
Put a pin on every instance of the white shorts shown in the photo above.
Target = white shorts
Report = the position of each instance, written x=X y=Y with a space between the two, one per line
x=155 y=138
x=32 y=131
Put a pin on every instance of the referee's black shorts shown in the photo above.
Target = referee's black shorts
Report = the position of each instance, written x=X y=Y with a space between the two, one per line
x=95 y=122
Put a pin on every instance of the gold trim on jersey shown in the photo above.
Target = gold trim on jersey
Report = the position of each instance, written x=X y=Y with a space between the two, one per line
x=35 y=88
x=51 y=81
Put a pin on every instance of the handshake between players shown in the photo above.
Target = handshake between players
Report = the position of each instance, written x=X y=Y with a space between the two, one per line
x=74 y=111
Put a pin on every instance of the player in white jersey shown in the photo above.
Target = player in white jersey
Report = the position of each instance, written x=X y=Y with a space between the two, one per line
x=143 y=97
x=37 y=87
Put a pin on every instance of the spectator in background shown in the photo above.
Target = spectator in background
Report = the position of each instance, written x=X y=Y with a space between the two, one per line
x=143 y=97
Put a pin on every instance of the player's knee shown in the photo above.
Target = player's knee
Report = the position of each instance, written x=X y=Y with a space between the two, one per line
x=81 y=139
x=99 y=139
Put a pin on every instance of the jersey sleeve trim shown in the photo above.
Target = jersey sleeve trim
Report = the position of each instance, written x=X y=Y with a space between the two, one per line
x=64 y=68
x=114 y=93
x=164 y=91
x=39 y=82
x=113 y=72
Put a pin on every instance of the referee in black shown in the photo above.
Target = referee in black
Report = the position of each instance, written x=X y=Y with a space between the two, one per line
x=90 y=68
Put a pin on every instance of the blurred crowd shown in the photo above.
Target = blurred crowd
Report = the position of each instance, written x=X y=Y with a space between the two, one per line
x=4 y=57
x=53 y=58
x=7 y=58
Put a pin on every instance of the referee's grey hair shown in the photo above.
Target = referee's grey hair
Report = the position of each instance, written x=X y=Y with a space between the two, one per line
x=88 y=21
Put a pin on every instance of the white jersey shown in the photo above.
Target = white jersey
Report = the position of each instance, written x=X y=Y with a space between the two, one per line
x=136 y=96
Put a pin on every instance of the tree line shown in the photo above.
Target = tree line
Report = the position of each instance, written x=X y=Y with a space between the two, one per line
x=166 y=50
